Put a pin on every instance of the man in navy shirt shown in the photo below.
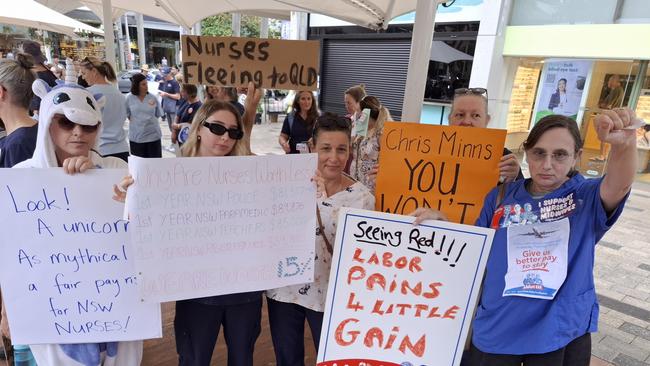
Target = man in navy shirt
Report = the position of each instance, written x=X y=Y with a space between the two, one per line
x=170 y=92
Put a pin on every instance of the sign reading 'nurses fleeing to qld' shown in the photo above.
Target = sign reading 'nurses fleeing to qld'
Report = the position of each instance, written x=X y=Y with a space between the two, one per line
x=236 y=61
x=401 y=294
x=445 y=168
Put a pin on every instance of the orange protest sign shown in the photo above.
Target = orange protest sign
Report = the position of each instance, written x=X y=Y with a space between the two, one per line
x=445 y=168
x=236 y=61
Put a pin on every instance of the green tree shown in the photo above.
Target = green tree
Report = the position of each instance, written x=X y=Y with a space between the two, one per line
x=221 y=25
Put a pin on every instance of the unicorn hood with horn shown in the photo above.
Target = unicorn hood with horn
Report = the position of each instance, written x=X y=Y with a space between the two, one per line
x=73 y=101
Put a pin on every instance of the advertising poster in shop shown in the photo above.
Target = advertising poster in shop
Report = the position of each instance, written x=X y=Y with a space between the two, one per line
x=401 y=294
x=561 y=88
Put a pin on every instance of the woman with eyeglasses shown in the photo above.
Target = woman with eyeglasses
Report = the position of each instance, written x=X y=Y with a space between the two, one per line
x=366 y=141
x=68 y=129
x=290 y=306
x=298 y=125
x=101 y=78
x=143 y=111
x=539 y=305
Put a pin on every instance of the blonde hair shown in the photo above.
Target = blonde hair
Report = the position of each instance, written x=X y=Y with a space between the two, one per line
x=191 y=146
x=17 y=78
x=103 y=67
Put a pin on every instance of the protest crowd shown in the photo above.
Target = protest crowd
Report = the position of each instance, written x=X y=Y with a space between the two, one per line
x=74 y=119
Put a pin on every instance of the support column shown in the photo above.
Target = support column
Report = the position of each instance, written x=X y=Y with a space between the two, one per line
x=120 y=43
x=298 y=29
x=264 y=27
x=127 y=38
x=236 y=24
x=416 y=79
x=142 y=50
x=109 y=36
x=490 y=69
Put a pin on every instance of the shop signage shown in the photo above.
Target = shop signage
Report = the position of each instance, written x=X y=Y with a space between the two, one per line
x=236 y=61
x=401 y=294
x=66 y=261
x=222 y=225
x=446 y=168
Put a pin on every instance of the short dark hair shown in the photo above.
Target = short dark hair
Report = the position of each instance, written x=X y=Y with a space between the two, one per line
x=331 y=122
x=191 y=90
x=136 y=79
x=551 y=122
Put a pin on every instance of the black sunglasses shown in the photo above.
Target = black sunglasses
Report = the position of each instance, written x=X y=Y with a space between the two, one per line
x=219 y=130
x=471 y=91
x=68 y=125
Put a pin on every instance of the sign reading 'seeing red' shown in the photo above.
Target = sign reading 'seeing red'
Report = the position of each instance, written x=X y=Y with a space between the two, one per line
x=404 y=294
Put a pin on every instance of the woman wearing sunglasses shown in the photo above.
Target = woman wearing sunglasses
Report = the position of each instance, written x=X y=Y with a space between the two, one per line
x=68 y=127
x=217 y=130
x=290 y=306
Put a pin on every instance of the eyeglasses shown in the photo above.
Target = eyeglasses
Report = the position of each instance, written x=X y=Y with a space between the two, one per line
x=471 y=91
x=68 y=125
x=541 y=155
x=219 y=130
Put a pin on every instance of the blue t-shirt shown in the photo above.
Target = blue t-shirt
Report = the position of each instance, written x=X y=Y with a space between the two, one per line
x=18 y=146
x=521 y=325
x=171 y=87
x=143 y=118
x=186 y=111
x=112 y=139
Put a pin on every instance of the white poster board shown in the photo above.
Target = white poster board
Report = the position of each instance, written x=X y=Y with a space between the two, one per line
x=66 y=265
x=222 y=225
x=401 y=294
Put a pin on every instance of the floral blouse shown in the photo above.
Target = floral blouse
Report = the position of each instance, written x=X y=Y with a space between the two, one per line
x=313 y=295
x=365 y=155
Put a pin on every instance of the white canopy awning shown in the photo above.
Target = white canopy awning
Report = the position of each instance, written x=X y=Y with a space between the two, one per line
x=29 y=13
x=367 y=13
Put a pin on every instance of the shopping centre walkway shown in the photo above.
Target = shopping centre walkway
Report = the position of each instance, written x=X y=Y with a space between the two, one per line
x=622 y=282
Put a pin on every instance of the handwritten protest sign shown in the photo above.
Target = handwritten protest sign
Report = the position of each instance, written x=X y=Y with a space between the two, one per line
x=66 y=263
x=236 y=61
x=446 y=168
x=213 y=226
x=403 y=294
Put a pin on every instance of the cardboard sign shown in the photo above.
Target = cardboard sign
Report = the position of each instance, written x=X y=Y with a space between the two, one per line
x=222 y=225
x=401 y=294
x=445 y=168
x=236 y=61
x=66 y=263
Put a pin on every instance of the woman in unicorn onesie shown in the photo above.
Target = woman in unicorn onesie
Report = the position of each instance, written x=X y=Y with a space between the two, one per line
x=68 y=126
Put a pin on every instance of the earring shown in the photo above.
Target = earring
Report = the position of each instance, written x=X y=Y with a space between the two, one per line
x=198 y=138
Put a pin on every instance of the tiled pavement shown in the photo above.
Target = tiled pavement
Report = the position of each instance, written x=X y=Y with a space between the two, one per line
x=622 y=273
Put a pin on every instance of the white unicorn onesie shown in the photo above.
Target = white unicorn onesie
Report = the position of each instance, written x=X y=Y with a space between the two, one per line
x=80 y=107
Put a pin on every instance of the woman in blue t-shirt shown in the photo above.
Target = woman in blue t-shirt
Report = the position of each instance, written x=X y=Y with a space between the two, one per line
x=143 y=111
x=539 y=305
x=298 y=125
